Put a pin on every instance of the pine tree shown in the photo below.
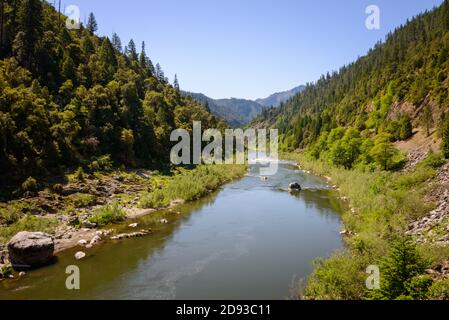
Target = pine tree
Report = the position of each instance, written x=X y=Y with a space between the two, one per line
x=30 y=22
x=160 y=73
x=402 y=264
x=176 y=83
x=116 y=42
x=143 y=57
x=131 y=50
x=427 y=119
x=92 y=25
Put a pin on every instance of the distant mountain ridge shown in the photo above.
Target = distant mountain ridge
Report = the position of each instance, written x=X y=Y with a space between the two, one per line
x=277 y=98
x=239 y=112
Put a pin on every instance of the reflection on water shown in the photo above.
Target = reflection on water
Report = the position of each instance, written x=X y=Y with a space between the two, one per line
x=246 y=241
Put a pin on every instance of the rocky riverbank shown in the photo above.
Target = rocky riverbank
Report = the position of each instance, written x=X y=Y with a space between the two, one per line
x=68 y=212
x=434 y=227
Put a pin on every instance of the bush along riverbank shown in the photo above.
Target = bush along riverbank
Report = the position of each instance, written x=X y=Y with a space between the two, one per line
x=384 y=209
x=73 y=210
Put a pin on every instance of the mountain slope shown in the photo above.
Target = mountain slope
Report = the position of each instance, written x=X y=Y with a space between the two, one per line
x=239 y=112
x=403 y=79
x=70 y=98
x=276 y=99
x=236 y=112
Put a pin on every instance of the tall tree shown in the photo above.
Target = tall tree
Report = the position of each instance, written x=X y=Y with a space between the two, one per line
x=143 y=59
x=427 y=119
x=176 y=83
x=159 y=73
x=92 y=25
x=30 y=23
x=116 y=42
x=131 y=50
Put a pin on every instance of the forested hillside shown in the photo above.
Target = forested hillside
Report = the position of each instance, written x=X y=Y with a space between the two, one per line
x=70 y=98
x=400 y=84
x=236 y=112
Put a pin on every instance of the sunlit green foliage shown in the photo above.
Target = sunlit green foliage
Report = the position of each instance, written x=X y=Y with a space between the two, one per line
x=68 y=98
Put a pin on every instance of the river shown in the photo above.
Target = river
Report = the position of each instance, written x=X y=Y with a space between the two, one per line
x=248 y=240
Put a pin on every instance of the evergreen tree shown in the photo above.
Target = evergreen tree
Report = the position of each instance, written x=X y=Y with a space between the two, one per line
x=145 y=62
x=406 y=128
x=30 y=23
x=399 y=269
x=116 y=42
x=131 y=50
x=159 y=73
x=176 y=83
x=427 y=119
x=92 y=25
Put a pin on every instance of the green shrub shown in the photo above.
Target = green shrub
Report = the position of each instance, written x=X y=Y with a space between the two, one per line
x=341 y=277
x=10 y=215
x=81 y=200
x=103 y=163
x=434 y=160
x=79 y=174
x=29 y=184
x=439 y=290
x=155 y=199
x=108 y=214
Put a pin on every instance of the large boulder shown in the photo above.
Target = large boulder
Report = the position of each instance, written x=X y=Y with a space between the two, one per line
x=294 y=186
x=30 y=249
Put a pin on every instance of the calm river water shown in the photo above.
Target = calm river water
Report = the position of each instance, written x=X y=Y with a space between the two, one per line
x=248 y=240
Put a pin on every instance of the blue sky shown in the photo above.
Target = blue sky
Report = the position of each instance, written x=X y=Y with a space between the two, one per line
x=248 y=48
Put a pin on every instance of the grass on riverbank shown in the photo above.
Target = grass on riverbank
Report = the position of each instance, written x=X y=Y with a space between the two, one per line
x=383 y=204
x=108 y=214
x=190 y=185
x=32 y=214
x=28 y=223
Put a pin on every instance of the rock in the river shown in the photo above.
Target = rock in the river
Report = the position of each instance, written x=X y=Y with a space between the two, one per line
x=294 y=186
x=30 y=249
x=163 y=221
x=95 y=240
x=80 y=255
x=133 y=225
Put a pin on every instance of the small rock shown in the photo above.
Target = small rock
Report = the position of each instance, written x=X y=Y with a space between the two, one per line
x=80 y=255
x=163 y=221
x=89 y=225
x=95 y=239
x=133 y=225
x=22 y=274
x=82 y=242
x=73 y=221
x=99 y=233
x=89 y=246
x=294 y=186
